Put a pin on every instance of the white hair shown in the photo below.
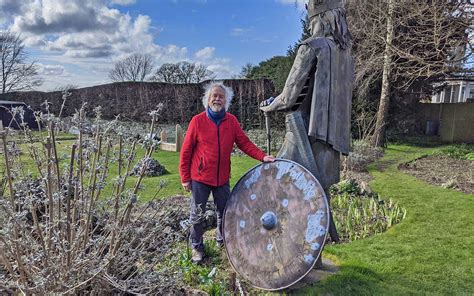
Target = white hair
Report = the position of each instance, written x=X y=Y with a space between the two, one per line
x=229 y=93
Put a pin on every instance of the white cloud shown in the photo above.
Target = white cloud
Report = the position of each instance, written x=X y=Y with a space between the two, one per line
x=34 y=41
x=222 y=71
x=240 y=31
x=47 y=16
x=89 y=36
x=8 y=8
x=206 y=53
x=220 y=67
x=84 y=29
x=123 y=2
x=300 y=4
x=170 y=54
x=52 y=70
x=258 y=39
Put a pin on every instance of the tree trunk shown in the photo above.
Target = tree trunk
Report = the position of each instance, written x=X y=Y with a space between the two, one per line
x=378 y=139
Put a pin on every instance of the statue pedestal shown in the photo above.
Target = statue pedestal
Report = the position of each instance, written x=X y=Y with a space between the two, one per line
x=317 y=275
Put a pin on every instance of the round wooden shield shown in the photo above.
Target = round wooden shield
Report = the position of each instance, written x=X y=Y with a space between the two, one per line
x=275 y=224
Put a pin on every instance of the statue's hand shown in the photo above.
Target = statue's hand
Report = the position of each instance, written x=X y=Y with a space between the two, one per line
x=273 y=104
x=267 y=102
x=265 y=105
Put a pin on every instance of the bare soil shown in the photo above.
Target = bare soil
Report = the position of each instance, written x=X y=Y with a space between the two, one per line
x=457 y=174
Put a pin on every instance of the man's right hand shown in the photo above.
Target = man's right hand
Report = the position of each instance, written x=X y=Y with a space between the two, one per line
x=187 y=186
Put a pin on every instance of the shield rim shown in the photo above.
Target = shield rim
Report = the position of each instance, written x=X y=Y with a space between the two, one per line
x=325 y=235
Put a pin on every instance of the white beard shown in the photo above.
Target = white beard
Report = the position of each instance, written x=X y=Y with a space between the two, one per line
x=216 y=109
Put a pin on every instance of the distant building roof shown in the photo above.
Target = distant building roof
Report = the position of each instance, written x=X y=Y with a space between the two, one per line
x=11 y=103
x=469 y=77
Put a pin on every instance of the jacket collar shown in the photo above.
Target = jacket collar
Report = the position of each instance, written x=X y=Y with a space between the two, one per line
x=204 y=113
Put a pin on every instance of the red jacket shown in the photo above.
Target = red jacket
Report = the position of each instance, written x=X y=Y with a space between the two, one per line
x=205 y=154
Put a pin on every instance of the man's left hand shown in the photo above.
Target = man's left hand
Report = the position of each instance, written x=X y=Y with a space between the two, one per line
x=269 y=158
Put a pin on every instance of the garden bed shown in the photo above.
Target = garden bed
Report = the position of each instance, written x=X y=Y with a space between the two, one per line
x=443 y=170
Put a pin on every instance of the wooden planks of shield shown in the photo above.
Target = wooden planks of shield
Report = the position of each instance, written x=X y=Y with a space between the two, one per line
x=275 y=224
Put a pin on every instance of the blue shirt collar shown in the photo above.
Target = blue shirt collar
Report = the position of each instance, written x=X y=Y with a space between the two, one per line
x=216 y=117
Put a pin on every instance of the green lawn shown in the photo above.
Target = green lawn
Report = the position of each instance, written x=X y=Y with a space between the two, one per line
x=430 y=252
x=240 y=164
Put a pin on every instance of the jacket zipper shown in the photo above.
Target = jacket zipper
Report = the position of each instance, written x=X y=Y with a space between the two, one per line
x=200 y=167
x=218 y=154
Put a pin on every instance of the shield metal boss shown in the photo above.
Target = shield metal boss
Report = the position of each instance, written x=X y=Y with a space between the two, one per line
x=275 y=224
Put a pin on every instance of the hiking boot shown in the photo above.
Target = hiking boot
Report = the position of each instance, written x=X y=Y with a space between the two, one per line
x=220 y=243
x=197 y=256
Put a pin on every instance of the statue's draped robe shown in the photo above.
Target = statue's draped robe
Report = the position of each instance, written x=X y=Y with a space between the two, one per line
x=331 y=101
x=327 y=109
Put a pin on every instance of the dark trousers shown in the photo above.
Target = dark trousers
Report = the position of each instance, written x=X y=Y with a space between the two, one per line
x=200 y=195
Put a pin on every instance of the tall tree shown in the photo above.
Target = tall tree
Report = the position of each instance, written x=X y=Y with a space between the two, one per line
x=275 y=68
x=136 y=67
x=422 y=42
x=182 y=72
x=246 y=70
x=17 y=74
x=382 y=114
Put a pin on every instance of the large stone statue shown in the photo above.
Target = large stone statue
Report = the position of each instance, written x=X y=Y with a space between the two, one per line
x=317 y=96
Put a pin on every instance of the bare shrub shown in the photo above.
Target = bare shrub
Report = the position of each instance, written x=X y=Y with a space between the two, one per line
x=362 y=154
x=59 y=233
x=153 y=168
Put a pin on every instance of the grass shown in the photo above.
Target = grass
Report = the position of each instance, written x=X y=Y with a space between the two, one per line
x=205 y=276
x=430 y=252
x=240 y=164
x=459 y=151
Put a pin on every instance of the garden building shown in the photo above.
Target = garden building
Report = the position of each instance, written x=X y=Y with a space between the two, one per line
x=455 y=91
